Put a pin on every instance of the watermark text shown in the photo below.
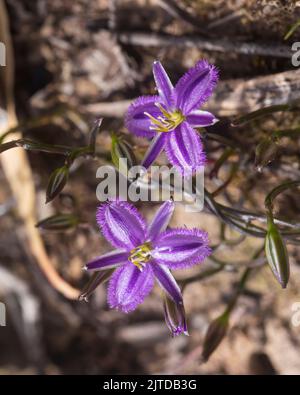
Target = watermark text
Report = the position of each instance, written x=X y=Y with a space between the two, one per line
x=2 y=54
x=2 y=314
x=158 y=183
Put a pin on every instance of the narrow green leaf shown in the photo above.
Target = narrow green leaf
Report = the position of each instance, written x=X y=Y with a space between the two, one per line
x=7 y=146
x=32 y=145
x=292 y=30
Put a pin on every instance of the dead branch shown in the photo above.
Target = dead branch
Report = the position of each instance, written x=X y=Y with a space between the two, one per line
x=17 y=169
x=232 y=97
x=218 y=45
x=24 y=310
x=176 y=11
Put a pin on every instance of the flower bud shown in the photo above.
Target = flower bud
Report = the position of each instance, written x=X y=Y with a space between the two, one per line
x=276 y=253
x=93 y=134
x=59 y=222
x=122 y=155
x=265 y=153
x=214 y=335
x=96 y=279
x=175 y=317
x=57 y=181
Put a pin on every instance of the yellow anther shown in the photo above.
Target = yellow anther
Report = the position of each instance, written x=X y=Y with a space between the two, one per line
x=166 y=123
x=141 y=255
x=163 y=110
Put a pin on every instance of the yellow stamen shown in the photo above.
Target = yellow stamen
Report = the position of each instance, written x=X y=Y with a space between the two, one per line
x=141 y=255
x=166 y=123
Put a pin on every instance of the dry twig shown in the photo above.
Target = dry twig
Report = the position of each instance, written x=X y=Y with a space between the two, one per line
x=18 y=172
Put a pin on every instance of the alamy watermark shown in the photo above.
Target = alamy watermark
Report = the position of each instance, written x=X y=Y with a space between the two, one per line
x=2 y=314
x=2 y=54
x=296 y=314
x=158 y=183
x=296 y=54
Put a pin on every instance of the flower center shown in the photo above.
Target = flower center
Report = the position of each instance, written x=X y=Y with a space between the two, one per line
x=141 y=255
x=167 y=122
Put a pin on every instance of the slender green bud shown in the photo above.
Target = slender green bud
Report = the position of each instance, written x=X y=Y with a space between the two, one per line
x=57 y=181
x=276 y=253
x=214 y=335
x=93 y=134
x=265 y=153
x=175 y=317
x=58 y=222
x=96 y=279
x=122 y=155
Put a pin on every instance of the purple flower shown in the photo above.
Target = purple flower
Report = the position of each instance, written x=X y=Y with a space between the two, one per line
x=145 y=253
x=172 y=116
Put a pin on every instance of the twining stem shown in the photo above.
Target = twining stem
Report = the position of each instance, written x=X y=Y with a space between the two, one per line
x=234 y=169
x=276 y=191
x=229 y=151
x=205 y=274
x=241 y=284
x=232 y=218
x=244 y=119
x=286 y=133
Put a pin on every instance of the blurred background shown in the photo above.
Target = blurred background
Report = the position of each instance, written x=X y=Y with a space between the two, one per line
x=75 y=61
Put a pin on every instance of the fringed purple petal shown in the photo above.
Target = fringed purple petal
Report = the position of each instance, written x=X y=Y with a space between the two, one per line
x=155 y=148
x=161 y=220
x=121 y=224
x=184 y=149
x=164 y=86
x=109 y=260
x=181 y=248
x=136 y=121
x=128 y=287
x=198 y=118
x=167 y=281
x=195 y=87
